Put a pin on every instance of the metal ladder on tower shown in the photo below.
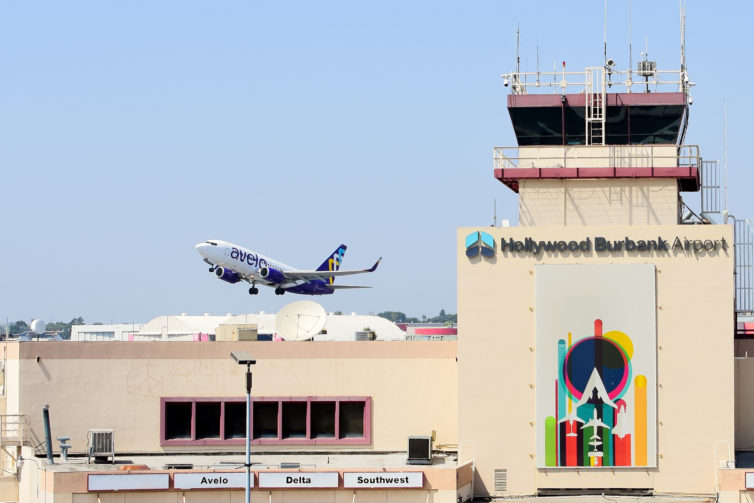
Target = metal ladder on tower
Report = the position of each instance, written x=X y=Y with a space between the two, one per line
x=595 y=107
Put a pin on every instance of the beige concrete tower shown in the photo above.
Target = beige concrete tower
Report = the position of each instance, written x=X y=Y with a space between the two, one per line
x=595 y=338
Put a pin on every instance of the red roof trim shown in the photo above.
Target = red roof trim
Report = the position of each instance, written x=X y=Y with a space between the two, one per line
x=689 y=176
x=613 y=100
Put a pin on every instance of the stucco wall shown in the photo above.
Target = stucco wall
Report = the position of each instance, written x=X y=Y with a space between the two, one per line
x=497 y=359
x=595 y=156
x=620 y=201
x=413 y=385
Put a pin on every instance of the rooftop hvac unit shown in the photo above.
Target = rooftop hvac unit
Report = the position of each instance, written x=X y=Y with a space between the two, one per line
x=100 y=444
x=419 y=450
x=247 y=334
x=365 y=335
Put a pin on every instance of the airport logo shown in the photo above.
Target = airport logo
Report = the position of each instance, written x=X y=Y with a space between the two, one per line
x=480 y=243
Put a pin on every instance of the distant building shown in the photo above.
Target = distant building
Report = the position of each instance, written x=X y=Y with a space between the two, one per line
x=429 y=331
x=116 y=332
x=208 y=327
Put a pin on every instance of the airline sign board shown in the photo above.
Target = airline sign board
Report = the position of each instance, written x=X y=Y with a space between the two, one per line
x=749 y=479
x=297 y=480
x=383 y=480
x=211 y=480
x=128 y=482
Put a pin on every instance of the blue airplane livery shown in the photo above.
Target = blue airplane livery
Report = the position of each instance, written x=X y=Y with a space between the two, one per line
x=232 y=263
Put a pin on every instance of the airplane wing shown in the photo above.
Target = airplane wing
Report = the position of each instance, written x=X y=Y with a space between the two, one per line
x=307 y=275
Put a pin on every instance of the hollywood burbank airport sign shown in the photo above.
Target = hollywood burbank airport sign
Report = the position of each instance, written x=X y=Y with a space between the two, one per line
x=482 y=243
x=602 y=244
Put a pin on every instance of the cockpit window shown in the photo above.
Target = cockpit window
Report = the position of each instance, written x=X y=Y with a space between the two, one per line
x=212 y=243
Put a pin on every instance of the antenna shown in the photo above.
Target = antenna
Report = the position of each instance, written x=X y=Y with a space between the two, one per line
x=725 y=159
x=300 y=320
x=494 y=213
x=684 y=78
x=518 y=59
x=604 y=36
x=630 y=54
x=537 y=63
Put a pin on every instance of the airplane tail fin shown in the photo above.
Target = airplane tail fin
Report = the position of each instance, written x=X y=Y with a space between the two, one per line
x=332 y=263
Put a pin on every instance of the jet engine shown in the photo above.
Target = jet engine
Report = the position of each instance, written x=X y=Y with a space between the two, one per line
x=271 y=275
x=227 y=275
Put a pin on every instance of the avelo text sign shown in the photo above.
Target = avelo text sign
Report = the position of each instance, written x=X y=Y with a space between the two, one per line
x=128 y=482
x=383 y=480
x=303 y=480
x=211 y=480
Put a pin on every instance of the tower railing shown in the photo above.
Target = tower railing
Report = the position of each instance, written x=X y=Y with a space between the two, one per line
x=647 y=79
x=744 y=265
x=598 y=156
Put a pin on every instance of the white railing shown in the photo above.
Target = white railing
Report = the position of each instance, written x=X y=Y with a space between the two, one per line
x=15 y=430
x=598 y=156
x=577 y=82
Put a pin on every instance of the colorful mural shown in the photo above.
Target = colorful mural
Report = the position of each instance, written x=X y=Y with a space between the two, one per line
x=592 y=392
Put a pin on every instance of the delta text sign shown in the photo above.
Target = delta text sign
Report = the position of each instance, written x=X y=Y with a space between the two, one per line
x=297 y=480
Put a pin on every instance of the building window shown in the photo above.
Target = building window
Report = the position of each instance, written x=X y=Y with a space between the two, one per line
x=177 y=420
x=207 y=421
x=274 y=420
x=265 y=420
x=294 y=419
x=323 y=419
x=351 y=417
x=235 y=420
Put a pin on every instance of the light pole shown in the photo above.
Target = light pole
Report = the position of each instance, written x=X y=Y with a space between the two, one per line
x=244 y=358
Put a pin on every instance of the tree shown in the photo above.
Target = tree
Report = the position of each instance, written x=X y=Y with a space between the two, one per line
x=19 y=326
x=394 y=316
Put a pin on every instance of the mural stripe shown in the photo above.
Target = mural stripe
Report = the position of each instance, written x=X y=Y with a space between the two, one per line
x=557 y=416
x=561 y=403
x=550 y=444
x=607 y=438
x=640 y=420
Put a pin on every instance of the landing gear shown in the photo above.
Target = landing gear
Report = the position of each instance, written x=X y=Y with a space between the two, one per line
x=279 y=291
x=253 y=290
x=212 y=269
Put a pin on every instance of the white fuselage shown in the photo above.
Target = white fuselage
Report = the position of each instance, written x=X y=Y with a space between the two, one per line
x=237 y=258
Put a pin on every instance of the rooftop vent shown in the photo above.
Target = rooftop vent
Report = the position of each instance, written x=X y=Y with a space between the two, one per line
x=100 y=445
x=419 y=450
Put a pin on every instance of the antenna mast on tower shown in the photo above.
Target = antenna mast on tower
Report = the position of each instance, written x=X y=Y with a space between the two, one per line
x=604 y=36
x=684 y=87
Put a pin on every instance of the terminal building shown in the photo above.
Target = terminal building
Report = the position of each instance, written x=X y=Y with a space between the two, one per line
x=602 y=348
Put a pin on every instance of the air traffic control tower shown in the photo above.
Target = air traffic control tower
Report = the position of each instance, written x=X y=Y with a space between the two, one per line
x=596 y=338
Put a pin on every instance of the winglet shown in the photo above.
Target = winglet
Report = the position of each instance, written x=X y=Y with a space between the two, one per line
x=374 y=267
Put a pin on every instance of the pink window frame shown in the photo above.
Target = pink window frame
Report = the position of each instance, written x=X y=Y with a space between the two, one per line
x=366 y=439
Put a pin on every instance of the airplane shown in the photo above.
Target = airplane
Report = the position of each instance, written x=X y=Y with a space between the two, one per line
x=232 y=263
x=571 y=418
x=595 y=423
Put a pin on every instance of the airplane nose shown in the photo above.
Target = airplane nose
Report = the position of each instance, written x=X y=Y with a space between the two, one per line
x=202 y=248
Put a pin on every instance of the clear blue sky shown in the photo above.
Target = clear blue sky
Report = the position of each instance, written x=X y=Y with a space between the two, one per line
x=129 y=131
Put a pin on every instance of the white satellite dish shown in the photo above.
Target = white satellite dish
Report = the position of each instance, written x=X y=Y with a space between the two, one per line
x=299 y=321
x=38 y=326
